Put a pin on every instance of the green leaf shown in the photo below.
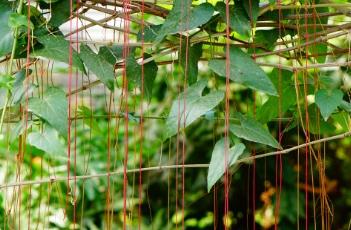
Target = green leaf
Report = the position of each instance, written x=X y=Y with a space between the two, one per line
x=252 y=8
x=251 y=130
x=3 y=95
x=57 y=48
x=111 y=53
x=319 y=48
x=345 y=106
x=343 y=119
x=134 y=74
x=98 y=65
x=244 y=70
x=328 y=101
x=19 y=128
x=150 y=33
x=315 y=124
x=88 y=118
x=6 y=37
x=6 y=81
x=48 y=141
x=181 y=19
x=19 y=88
x=195 y=106
x=60 y=12
x=219 y=162
x=238 y=19
x=319 y=51
x=273 y=106
x=52 y=108
x=16 y=20
x=189 y=61
x=133 y=70
x=267 y=38
x=50 y=1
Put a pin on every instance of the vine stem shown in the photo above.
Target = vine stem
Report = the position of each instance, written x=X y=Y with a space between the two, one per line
x=4 y=110
x=312 y=6
x=165 y=167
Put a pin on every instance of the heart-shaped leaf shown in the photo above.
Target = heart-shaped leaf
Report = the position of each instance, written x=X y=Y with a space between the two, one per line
x=190 y=106
x=251 y=130
x=328 y=101
x=48 y=141
x=219 y=162
x=57 y=48
x=52 y=108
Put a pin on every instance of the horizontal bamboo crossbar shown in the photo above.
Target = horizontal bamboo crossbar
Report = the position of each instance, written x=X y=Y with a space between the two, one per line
x=165 y=167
